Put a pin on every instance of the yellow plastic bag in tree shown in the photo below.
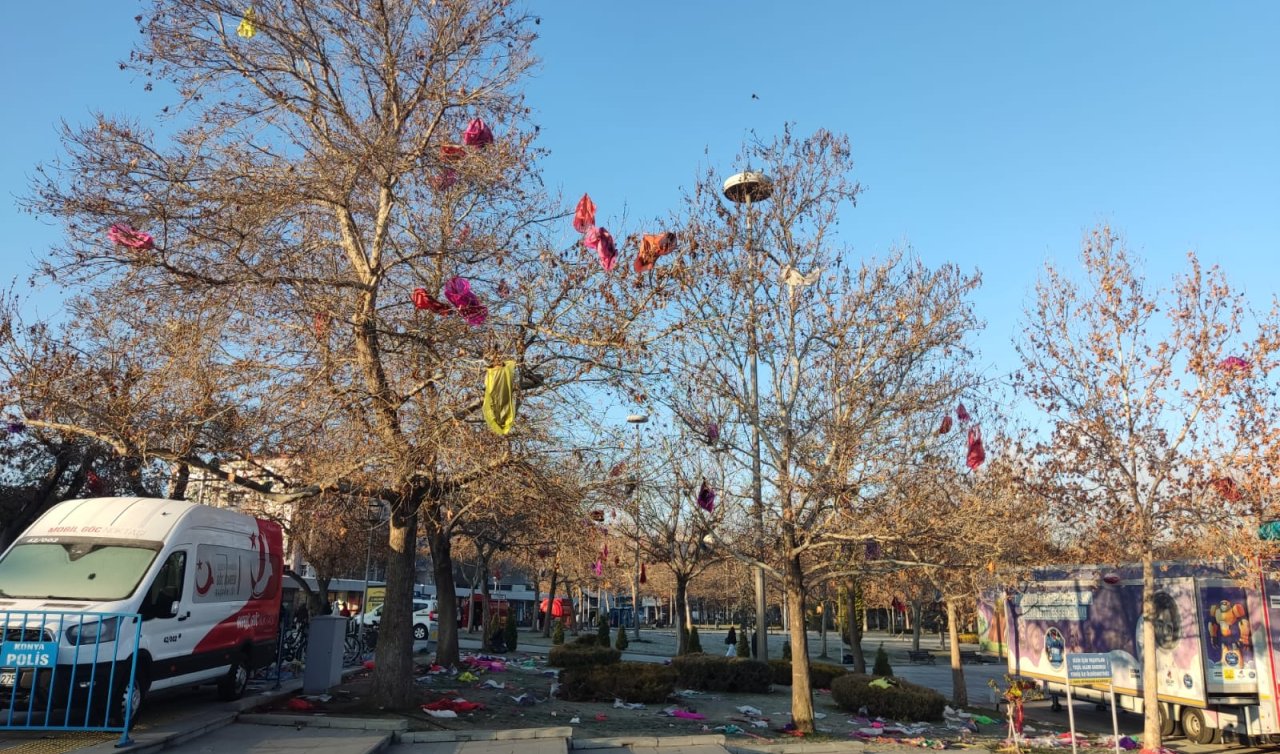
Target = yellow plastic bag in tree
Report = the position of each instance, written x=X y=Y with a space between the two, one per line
x=500 y=397
x=246 y=28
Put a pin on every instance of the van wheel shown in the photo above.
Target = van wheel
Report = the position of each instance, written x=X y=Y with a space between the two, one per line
x=129 y=699
x=1195 y=728
x=420 y=632
x=233 y=684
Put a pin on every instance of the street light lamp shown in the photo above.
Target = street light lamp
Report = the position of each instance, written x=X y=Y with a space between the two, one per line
x=744 y=188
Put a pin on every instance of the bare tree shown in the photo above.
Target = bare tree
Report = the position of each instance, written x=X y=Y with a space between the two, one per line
x=1136 y=384
x=851 y=359
x=325 y=163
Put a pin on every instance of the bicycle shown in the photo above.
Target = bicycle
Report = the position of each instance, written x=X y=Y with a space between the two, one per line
x=359 y=641
x=294 y=648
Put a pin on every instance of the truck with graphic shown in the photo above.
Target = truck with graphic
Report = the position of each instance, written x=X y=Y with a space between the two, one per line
x=1217 y=634
x=168 y=592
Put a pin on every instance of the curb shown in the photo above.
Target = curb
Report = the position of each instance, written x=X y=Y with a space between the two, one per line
x=317 y=721
x=512 y=734
x=833 y=747
x=646 y=742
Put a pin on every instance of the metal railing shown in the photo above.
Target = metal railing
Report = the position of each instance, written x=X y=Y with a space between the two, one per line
x=69 y=671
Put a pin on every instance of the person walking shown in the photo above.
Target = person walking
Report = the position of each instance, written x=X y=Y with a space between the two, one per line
x=732 y=641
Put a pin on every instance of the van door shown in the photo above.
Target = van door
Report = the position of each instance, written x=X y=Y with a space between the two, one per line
x=165 y=610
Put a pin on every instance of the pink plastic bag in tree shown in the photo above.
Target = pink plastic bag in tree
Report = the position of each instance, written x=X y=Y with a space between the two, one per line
x=477 y=134
x=127 y=236
x=976 y=452
x=468 y=305
x=962 y=413
x=600 y=240
x=584 y=216
x=423 y=300
x=945 y=427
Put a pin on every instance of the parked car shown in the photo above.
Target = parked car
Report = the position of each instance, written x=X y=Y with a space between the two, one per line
x=424 y=619
x=374 y=616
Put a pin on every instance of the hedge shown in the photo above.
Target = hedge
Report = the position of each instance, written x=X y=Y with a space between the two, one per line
x=706 y=672
x=628 y=681
x=578 y=656
x=820 y=673
x=900 y=701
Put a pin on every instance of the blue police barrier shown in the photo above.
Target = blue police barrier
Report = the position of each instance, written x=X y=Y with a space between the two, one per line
x=69 y=671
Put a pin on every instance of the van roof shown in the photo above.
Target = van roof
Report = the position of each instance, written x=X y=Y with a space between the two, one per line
x=126 y=517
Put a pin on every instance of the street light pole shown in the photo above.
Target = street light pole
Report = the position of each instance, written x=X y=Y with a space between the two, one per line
x=744 y=188
x=637 y=420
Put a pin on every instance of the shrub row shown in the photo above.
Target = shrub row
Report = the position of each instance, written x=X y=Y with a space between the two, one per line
x=580 y=655
x=820 y=673
x=714 y=673
x=965 y=638
x=629 y=681
x=901 y=701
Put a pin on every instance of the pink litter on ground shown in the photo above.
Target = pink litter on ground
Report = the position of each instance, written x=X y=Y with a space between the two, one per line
x=688 y=715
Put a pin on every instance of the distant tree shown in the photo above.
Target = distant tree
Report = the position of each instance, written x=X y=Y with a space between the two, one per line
x=1141 y=388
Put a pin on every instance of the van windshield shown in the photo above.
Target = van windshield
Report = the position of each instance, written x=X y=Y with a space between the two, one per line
x=75 y=569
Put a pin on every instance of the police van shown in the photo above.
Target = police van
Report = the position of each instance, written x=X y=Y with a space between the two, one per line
x=185 y=593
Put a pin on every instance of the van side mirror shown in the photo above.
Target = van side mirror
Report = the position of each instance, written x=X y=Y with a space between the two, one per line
x=173 y=610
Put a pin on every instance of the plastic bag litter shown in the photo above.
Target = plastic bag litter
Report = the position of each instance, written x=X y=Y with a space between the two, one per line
x=441 y=712
x=575 y=720
x=750 y=711
x=688 y=693
x=468 y=677
x=619 y=704
x=316 y=697
x=759 y=723
x=492 y=684
x=730 y=729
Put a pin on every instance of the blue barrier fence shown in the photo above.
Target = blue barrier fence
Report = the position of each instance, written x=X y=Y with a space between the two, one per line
x=69 y=671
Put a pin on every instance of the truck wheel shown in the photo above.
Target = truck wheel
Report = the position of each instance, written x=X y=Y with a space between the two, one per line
x=232 y=685
x=420 y=632
x=1195 y=728
x=1167 y=723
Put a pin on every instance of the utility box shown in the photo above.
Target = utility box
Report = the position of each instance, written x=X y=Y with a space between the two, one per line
x=325 y=638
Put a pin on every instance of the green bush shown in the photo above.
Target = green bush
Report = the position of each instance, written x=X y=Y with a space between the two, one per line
x=557 y=633
x=901 y=701
x=620 y=641
x=711 y=673
x=882 y=666
x=820 y=673
x=578 y=656
x=586 y=640
x=628 y=681
x=602 y=632
x=744 y=644
x=695 y=644
x=510 y=635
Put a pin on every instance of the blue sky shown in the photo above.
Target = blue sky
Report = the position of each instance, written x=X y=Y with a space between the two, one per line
x=988 y=134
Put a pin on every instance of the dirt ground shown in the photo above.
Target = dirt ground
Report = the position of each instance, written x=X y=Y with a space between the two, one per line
x=525 y=701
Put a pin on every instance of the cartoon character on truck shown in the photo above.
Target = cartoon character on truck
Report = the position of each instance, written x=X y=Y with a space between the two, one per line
x=115 y=597
x=1228 y=630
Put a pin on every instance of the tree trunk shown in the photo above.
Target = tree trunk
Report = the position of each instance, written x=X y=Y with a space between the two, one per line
x=855 y=631
x=914 y=612
x=680 y=616
x=822 y=626
x=959 y=694
x=178 y=483
x=551 y=604
x=486 y=607
x=801 y=692
x=635 y=597
x=322 y=594
x=446 y=597
x=1150 y=678
x=392 y=685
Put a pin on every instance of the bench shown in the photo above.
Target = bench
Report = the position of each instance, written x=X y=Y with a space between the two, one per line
x=919 y=656
x=969 y=655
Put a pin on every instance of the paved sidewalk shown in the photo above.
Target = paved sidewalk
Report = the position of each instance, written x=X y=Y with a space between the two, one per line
x=274 y=739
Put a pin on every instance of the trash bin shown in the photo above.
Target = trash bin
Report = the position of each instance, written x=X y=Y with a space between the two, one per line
x=324 y=653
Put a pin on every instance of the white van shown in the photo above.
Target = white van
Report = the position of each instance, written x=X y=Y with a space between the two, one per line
x=199 y=586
